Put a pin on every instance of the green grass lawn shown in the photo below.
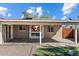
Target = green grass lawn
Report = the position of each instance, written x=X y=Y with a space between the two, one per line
x=56 y=51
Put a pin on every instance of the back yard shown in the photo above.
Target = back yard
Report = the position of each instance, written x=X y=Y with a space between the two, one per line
x=57 y=51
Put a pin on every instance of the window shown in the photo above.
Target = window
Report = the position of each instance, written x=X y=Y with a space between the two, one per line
x=50 y=28
x=21 y=27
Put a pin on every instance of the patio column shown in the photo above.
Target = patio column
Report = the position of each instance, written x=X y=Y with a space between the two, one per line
x=11 y=31
x=40 y=36
x=75 y=34
x=1 y=38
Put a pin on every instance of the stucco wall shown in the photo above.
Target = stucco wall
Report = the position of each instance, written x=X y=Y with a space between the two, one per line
x=20 y=33
x=56 y=34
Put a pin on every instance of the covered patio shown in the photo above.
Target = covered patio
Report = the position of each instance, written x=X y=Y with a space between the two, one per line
x=34 y=22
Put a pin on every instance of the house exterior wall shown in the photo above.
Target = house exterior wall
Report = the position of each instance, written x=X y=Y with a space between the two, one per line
x=56 y=34
x=25 y=33
x=20 y=33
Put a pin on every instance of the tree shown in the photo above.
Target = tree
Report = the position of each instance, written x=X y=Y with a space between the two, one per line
x=28 y=15
x=45 y=17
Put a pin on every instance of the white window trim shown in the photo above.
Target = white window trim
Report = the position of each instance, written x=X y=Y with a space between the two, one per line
x=50 y=29
x=22 y=27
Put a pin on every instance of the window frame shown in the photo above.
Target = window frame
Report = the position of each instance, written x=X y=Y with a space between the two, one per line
x=50 y=28
x=21 y=27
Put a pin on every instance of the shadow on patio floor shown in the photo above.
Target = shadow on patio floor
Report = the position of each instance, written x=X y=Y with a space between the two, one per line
x=30 y=40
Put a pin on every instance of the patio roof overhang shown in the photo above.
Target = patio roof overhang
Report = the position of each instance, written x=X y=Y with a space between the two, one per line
x=38 y=22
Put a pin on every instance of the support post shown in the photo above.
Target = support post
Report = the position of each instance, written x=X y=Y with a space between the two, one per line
x=75 y=34
x=11 y=31
x=1 y=38
x=40 y=36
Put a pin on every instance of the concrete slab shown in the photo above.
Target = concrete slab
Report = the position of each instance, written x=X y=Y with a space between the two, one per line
x=16 y=50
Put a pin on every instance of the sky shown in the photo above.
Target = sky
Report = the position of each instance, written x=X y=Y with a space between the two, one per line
x=61 y=11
